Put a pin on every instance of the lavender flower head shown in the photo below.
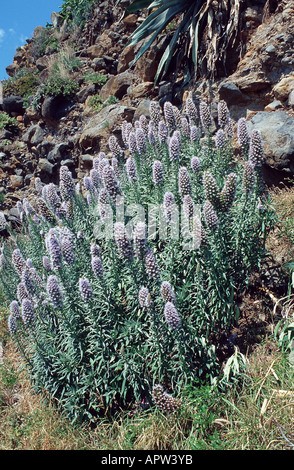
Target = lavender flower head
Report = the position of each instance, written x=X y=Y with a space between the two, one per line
x=171 y=316
x=168 y=205
x=185 y=186
x=151 y=265
x=110 y=182
x=167 y=292
x=54 y=291
x=174 y=148
x=54 y=249
x=85 y=289
x=211 y=189
x=132 y=143
x=97 y=266
x=243 y=135
x=256 y=148
x=228 y=192
x=114 y=146
x=123 y=243
x=141 y=140
x=169 y=115
x=162 y=132
x=195 y=164
x=210 y=216
x=205 y=116
x=155 y=113
x=223 y=114
x=131 y=169
x=249 y=177
x=220 y=139
x=191 y=110
x=144 y=297
x=157 y=171
x=139 y=237
x=66 y=183
x=18 y=261
x=27 y=312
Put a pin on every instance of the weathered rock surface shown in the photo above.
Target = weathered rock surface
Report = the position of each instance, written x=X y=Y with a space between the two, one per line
x=277 y=131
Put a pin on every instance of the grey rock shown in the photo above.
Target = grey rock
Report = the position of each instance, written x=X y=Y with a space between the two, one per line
x=13 y=104
x=230 y=93
x=277 y=132
x=59 y=151
x=45 y=166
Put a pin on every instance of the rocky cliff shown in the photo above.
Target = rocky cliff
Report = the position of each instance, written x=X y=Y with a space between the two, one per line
x=70 y=90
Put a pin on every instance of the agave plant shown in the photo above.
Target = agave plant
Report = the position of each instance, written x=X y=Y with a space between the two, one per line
x=219 y=20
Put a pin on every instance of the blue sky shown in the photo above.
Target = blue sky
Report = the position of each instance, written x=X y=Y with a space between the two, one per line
x=18 y=19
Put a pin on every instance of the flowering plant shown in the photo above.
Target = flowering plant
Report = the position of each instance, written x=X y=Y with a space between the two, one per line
x=124 y=283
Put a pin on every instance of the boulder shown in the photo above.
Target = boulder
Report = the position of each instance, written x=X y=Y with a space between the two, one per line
x=277 y=134
x=117 y=85
x=283 y=89
x=55 y=107
x=13 y=104
x=100 y=126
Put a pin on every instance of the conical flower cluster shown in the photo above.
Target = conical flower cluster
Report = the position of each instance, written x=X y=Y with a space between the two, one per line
x=66 y=184
x=211 y=189
x=151 y=265
x=141 y=140
x=157 y=172
x=191 y=111
x=110 y=182
x=164 y=401
x=144 y=298
x=210 y=216
x=185 y=186
x=54 y=291
x=27 y=312
x=131 y=169
x=18 y=261
x=223 y=114
x=167 y=292
x=243 y=135
x=162 y=132
x=205 y=116
x=97 y=266
x=249 y=177
x=171 y=316
x=169 y=115
x=174 y=148
x=122 y=240
x=256 y=149
x=169 y=205
x=228 y=192
x=114 y=146
x=195 y=164
x=85 y=289
x=139 y=236
x=155 y=113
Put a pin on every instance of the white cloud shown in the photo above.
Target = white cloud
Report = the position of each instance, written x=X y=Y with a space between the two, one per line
x=2 y=34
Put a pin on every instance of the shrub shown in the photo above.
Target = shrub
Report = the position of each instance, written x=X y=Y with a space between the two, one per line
x=97 y=103
x=60 y=86
x=112 y=295
x=77 y=12
x=96 y=78
x=23 y=85
x=8 y=122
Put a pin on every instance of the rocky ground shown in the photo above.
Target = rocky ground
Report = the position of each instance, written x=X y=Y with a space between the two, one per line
x=61 y=131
